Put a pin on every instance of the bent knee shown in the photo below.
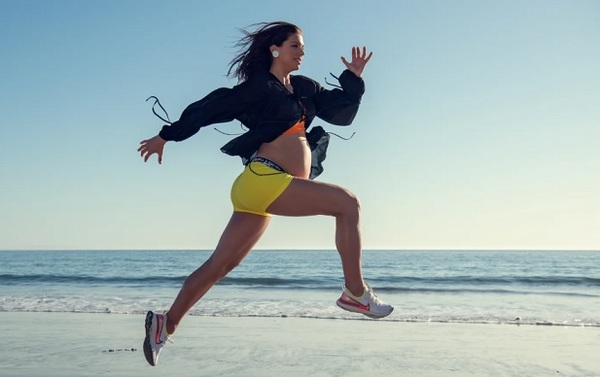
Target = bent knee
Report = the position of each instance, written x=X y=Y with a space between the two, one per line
x=226 y=269
x=350 y=204
x=219 y=269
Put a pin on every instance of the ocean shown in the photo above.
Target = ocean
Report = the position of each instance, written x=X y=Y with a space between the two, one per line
x=553 y=288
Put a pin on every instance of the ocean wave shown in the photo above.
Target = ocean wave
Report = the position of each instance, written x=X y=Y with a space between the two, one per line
x=498 y=280
x=502 y=284
x=482 y=290
x=14 y=279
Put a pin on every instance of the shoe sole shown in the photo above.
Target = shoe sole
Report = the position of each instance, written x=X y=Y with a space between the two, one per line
x=353 y=309
x=147 y=347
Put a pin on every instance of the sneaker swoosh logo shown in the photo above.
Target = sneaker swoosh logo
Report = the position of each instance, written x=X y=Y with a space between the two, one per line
x=358 y=305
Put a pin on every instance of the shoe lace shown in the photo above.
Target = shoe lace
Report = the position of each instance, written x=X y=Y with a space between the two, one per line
x=373 y=297
x=166 y=339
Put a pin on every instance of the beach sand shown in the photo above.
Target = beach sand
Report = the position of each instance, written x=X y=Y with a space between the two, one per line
x=71 y=344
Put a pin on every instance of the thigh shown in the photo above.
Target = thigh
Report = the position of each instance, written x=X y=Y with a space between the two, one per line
x=304 y=197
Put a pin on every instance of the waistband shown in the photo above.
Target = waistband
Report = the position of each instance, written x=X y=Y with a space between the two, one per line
x=266 y=162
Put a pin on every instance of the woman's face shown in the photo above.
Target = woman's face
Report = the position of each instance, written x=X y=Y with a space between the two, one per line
x=291 y=52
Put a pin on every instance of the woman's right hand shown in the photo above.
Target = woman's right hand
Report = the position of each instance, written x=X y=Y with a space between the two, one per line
x=151 y=146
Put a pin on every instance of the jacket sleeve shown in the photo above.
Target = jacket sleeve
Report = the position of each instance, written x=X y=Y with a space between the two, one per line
x=221 y=105
x=339 y=106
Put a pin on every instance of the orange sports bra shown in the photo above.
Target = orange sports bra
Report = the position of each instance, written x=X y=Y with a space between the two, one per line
x=297 y=128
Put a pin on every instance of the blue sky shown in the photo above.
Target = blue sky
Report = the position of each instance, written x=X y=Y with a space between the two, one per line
x=479 y=128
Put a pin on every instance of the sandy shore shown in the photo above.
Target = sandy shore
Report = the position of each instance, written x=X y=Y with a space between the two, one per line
x=68 y=344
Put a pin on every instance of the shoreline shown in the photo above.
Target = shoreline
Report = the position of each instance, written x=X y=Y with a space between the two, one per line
x=516 y=322
x=78 y=344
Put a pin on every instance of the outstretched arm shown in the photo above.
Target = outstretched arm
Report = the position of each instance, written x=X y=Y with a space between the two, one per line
x=339 y=106
x=359 y=60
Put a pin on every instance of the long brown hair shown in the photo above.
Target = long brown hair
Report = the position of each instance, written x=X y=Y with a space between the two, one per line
x=254 y=54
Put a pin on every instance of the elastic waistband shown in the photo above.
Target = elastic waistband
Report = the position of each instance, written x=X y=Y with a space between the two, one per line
x=266 y=162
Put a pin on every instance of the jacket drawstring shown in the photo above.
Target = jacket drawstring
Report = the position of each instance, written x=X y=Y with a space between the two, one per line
x=334 y=85
x=157 y=102
x=341 y=137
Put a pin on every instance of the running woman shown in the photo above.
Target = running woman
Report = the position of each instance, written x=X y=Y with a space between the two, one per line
x=281 y=159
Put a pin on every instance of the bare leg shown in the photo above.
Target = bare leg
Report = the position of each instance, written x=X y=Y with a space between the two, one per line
x=304 y=197
x=238 y=238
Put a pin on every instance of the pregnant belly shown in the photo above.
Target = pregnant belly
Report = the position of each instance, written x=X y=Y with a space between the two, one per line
x=291 y=152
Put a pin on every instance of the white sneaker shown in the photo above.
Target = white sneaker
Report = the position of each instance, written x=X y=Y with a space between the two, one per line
x=368 y=304
x=156 y=336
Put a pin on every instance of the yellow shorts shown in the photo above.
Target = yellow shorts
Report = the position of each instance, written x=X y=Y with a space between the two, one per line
x=261 y=182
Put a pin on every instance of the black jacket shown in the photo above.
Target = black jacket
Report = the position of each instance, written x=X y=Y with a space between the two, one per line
x=267 y=109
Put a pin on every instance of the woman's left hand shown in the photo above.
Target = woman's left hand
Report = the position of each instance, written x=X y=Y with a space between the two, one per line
x=359 y=60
